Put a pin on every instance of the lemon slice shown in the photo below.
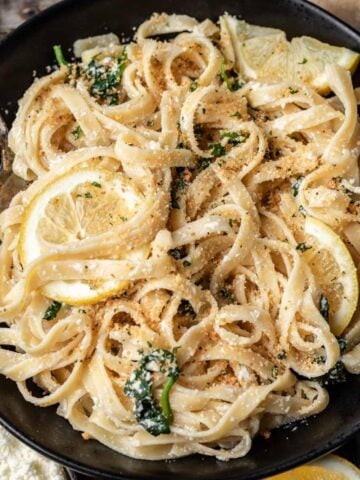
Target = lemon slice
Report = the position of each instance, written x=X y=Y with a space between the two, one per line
x=330 y=467
x=265 y=54
x=334 y=270
x=318 y=55
x=81 y=204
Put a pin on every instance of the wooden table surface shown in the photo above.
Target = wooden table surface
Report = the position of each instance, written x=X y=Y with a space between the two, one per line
x=13 y=12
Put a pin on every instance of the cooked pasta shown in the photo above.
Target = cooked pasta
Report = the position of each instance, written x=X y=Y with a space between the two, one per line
x=179 y=273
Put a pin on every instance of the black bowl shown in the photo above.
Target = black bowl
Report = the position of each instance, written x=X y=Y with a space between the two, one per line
x=29 y=49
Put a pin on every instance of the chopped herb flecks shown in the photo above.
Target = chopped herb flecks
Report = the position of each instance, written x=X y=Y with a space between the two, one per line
x=302 y=210
x=177 y=186
x=177 y=253
x=282 y=355
x=198 y=130
x=295 y=186
x=319 y=360
x=193 y=86
x=185 y=308
x=234 y=137
x=227 y=295
x=302 y=247
x=293 y=90
x=52 y=310
x=342 y=344
x=96 y=184
x=77 y=133
x=204 y=163
x=217 y=150
x=230 y=78
x=324 y=307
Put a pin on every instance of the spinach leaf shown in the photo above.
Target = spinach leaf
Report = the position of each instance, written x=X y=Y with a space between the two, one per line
x=217 y=150
x=60 y=56
x=302 y=247
x=234 y=137
x=295 y=186
x=105 y=80
x=324 y=307
x=154 y=418
x=52 y=310
x=230 y=78
x=338 y=373
x=178 y=185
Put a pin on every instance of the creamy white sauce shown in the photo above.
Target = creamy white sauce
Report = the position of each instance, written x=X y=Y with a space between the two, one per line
x=19 y=462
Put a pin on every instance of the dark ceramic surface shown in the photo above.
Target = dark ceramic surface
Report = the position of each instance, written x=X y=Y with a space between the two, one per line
x=29 y=49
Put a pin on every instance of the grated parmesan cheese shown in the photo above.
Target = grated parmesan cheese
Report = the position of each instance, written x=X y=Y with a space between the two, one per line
x=19 y=462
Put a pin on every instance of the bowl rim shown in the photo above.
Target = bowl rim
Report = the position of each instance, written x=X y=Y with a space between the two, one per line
x=52 y=9
x=80 y=467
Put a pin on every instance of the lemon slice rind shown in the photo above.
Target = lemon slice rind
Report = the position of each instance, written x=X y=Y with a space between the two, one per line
x=339 y=465
x=330 y=467
x=265 y=54
x=329 y=240
x=73 y=292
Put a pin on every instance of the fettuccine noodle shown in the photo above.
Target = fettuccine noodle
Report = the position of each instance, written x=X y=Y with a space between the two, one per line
x=207 y=264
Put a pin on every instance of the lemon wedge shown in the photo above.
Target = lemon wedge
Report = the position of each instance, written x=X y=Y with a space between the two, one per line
x=334 y=270
x=81 y=204
x=330 y=467
x=265 y=54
